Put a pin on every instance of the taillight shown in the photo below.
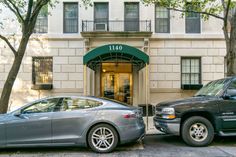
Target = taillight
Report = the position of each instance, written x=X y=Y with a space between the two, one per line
x=129 y=115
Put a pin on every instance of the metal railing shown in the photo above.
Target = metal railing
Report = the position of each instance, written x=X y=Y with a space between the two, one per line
x=116 y=26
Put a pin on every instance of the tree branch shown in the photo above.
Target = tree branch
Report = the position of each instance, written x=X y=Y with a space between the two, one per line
x=9 y=44
x=33 y=14
x=227 y=10
x=201 y=12
x=38 y=7
x=226 y=16
x=14 y=9
x=30 y=5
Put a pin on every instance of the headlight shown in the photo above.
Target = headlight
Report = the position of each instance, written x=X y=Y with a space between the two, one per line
x=168 y=113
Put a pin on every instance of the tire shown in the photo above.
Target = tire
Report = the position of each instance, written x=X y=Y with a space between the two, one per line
x=102 y=138
x=197 y=131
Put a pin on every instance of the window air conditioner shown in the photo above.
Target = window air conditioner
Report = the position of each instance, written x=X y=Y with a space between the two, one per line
x=100 y=27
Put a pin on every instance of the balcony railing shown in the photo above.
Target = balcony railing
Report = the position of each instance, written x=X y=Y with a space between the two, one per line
x=116 y=26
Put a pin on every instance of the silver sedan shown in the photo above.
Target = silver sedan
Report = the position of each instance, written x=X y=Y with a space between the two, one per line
x=72 y=121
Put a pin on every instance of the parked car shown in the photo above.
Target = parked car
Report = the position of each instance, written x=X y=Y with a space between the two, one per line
x=72 y=121
x=197 y=119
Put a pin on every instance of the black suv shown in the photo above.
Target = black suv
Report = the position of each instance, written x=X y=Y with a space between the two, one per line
x=197 y=119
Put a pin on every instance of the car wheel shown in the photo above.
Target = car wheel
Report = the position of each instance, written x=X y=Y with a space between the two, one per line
x=102 y=138
x=197 y=131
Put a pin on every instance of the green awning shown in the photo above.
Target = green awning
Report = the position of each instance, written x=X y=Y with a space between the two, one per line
x=115 y=53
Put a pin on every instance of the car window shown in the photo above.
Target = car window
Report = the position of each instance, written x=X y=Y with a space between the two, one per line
x=232 y=85
x=70 y=104
x=42 y=106
x=213 y=88
x=231 y=91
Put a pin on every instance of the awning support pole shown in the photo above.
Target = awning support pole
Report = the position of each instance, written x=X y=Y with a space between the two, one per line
x=146 y=93
x=85 y=80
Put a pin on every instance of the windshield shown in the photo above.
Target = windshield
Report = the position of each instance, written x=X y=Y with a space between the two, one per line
x=214 y=88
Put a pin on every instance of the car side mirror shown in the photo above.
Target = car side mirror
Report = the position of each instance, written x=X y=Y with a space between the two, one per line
x=230 y=93
x=226 y=96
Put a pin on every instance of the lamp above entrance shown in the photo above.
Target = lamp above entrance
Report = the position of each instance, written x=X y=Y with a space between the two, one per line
x=116 y=53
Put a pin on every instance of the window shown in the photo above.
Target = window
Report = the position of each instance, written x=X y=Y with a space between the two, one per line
x=101 y=16
x=192 y=21
x=70 y=17
x=191 y=73
x=162 y=20
x=131 y=16
x=70 y=104
x=42 y=106
x=214 y=88
x=231 y=91
x=42 y=70
x=41 y=25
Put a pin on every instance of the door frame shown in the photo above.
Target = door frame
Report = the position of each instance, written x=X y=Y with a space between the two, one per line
x=131 y=74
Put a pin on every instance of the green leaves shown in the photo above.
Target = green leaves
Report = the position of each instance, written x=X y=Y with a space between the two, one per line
x=205 y=7
x=87 y=3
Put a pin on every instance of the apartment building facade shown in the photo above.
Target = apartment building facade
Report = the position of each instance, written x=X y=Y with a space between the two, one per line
x=122 y=50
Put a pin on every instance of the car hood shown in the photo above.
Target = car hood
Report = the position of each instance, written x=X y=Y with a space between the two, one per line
x=189 y=101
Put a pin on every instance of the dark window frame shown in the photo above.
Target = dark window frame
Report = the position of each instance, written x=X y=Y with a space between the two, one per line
x=137 y=3
x=168 y=29
x=35 y=85
x=192 y=18
x=107 y=22
x=77 y=19
x=107 y=3
x=37 y=21
x=191 y=86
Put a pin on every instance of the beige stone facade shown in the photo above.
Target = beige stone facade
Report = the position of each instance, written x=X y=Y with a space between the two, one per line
x=165 y=68
x=164 y=51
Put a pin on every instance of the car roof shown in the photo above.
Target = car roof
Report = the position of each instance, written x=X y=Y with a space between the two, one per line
x=101 y=99
x=229 y=78
x=64 y=96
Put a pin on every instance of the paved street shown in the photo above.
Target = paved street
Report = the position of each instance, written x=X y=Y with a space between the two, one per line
x=153 y=145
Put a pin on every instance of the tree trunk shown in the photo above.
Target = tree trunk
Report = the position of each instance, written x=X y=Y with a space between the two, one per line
x=231 y=48
x=6 y=92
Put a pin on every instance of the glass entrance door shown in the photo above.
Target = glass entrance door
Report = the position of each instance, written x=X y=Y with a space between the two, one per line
x=116 y=82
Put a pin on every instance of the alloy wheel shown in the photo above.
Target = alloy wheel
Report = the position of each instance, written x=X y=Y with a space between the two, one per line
x=198 y=132
x=102 y=138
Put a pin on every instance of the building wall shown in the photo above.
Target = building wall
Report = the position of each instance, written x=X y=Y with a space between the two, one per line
x=165 y=64
x=67 y=50
x=116 y=12
x=67 y=68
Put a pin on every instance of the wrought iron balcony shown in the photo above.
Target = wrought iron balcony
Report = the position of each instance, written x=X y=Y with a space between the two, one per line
x=116 y=26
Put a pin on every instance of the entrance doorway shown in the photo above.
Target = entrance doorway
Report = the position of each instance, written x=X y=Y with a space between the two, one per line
x=117 y=81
